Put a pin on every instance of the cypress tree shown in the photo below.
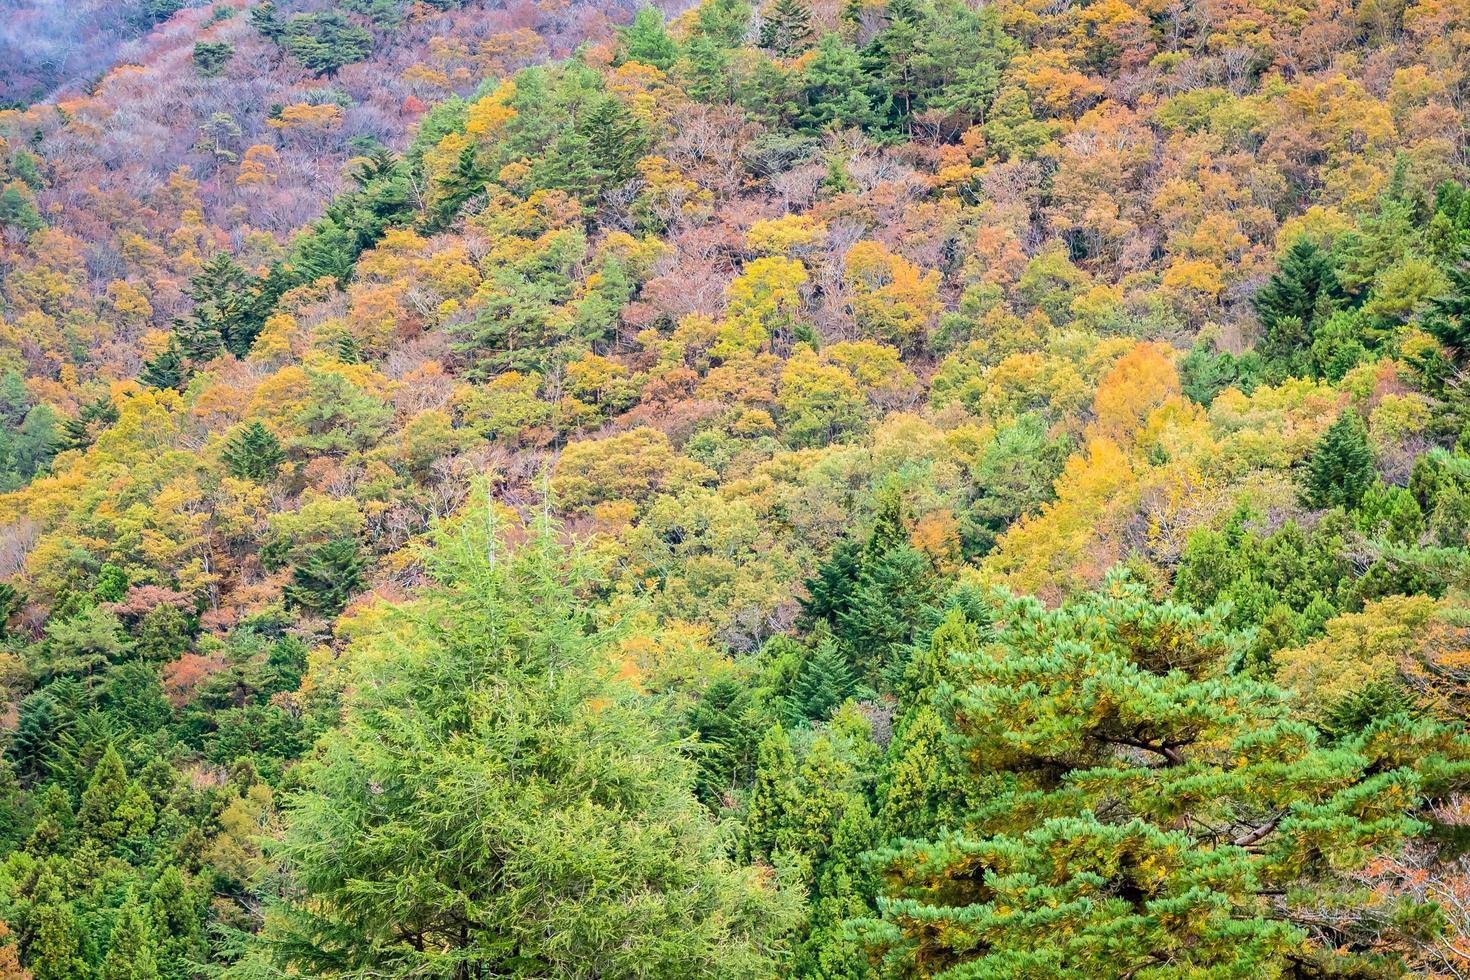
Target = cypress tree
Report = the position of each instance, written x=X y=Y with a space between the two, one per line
x=131 y=947
x=787 y=28
x=1341 y=468
x=175 y=916
x=254 y=453
x=98 y=815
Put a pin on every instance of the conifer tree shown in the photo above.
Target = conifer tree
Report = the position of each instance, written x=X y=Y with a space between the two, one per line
x=1449 y=313
x=495 y=803
x=175 y=916
x=52 y=936
x=254 y=453
x=1300 y=295
x=131 y=946
x=824 y=682
x=615 y=141
x=327 y=578
x=836 y=91
x=106 y=790
x=226 y=314
x=1341 y=469
x=919 y=790
x=771 y=796
x=787 y=27
x=647 y=42
x=166 y=370
x=1146 y=810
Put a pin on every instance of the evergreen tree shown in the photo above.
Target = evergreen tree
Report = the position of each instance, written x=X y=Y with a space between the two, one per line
x=615 y=141
x=211 y=57
x=706 y=67
x=724 y=722
x=324 y=42
x=40 y=721
x=787 y=27
x=490 y=774
x=106 y=790
x=829 y=592
x=918 y=791
x=166 y=371
x=327 y=579
x=1300 y=295
x=1145 y=809
x=1341 y=469
x=1449 y=314
x=227 y=311
x=131 y=947
x=175 y=916
x=647 y=42
x=824 y=682
x=254 y=453
x=52 y=936
x=836 y=92
x=18 y=209
x=771 y=798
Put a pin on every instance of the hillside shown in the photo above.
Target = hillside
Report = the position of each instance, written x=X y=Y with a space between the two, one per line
x=898 y=489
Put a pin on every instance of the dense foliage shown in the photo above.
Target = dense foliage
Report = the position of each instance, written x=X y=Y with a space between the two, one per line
x=838 y=491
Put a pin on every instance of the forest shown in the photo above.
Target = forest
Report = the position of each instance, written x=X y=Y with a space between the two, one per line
x=735 y=490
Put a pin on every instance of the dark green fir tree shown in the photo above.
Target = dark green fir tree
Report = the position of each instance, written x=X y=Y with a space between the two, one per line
x=1341 y=468
x=786 y=27
x=254 y=453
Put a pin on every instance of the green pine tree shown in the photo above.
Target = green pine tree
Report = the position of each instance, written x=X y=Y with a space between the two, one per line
x=646 y=41
x=1145 y=809
x=97 y=817
x=254 y=453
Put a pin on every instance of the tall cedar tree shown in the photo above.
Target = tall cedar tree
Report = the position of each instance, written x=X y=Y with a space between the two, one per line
x=1146 y=810
x=496 y=803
